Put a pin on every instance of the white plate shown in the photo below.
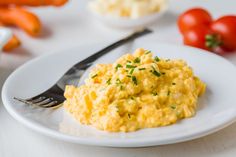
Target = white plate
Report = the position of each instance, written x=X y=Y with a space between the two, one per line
x=216 y=109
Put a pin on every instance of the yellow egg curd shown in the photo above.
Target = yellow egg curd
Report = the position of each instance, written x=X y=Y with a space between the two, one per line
x=137 y=91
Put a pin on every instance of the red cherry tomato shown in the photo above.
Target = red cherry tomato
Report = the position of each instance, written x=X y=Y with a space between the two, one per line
x=196 y=37
x=193 y=17
x=226 y=28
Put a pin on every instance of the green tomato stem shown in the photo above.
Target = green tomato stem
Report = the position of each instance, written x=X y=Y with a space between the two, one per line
x=213 y=41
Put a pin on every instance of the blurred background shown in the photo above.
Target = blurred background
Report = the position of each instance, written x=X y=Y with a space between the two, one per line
x=72 y=25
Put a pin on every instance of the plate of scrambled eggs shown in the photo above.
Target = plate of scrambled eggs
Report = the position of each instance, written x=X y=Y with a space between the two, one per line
x=150 y=94
x=137 y=91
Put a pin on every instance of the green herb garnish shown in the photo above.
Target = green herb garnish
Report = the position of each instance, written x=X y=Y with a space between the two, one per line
x=131 y=71
x=141 y=69
x=130 y=66
x=118 y=81
x=129 y=116
x=128 y=76
x=117 y=108
x=94 y=76
x=154 y=93
x=137 y=60
x=168 y=93
x=118 y=66
x=173 y=107
x=147 y=52
x=134 y=79
x=128 y=61
x=157 y=59
x=109 y=81
x=155 y=72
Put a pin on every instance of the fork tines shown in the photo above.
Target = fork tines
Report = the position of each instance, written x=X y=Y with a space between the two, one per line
x=41 y=101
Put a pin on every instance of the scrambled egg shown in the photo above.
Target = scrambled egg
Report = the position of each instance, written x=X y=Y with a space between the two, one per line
x=127 y=8
x=137 y=91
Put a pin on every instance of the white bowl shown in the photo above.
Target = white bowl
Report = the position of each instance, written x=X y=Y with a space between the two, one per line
x=129 y=23
x=5 y=35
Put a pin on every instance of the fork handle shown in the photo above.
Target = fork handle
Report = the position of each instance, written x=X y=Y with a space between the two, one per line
x=84 y=64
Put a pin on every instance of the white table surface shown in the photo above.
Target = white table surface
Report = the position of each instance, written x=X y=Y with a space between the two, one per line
x=71 y=26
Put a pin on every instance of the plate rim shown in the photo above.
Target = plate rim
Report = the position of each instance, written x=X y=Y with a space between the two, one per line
x=105 y=142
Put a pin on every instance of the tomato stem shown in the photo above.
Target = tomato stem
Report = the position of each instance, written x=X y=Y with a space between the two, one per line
x=213 y=41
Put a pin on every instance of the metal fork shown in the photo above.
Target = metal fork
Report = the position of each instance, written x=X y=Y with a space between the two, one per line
x=54 y=96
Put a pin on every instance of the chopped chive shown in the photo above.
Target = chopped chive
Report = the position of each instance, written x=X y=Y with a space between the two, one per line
x=128 y=61
x=118 y=66
x=173 y=107
x=94 y=76
x=168 y=93
x=154 y=93
x=131 y=71
x=155 y=72
x=137 y=60
x=130 y=66
x=147 y=52
x=128 y=75
x=141 y=69
x=173 y=83
x=117 y=108
x=134 y=79
x=157 y=59
x=109 y=81
x=118 y=81
x=121 y=87
x=129 y=116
